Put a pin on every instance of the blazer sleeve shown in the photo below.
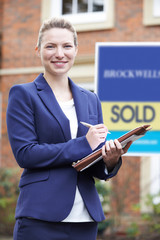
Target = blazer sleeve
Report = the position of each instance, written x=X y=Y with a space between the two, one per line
x=23 y=138
x=98 y=170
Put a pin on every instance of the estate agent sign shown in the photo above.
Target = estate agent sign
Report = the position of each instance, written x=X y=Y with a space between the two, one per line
x=128 y=85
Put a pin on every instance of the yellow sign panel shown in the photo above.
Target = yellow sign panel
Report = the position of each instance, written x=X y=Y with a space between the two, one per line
x=121 y=116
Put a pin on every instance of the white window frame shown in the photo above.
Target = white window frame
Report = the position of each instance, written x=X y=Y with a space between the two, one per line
x=82 y=21
x=149 y=181
x=151 y=16
x=155 y=178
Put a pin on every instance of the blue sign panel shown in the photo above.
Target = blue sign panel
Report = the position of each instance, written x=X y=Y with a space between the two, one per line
x=128 y=85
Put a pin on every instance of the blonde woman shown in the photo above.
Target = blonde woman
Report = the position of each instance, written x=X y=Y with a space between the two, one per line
x=46 y=136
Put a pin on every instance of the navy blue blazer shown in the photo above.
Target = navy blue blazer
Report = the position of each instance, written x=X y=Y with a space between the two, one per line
x=40 y=139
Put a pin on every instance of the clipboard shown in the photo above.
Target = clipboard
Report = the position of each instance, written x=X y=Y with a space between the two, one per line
x=96 y=156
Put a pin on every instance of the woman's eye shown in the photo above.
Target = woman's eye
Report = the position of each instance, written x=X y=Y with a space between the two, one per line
x=68 y=46
x=49 y=47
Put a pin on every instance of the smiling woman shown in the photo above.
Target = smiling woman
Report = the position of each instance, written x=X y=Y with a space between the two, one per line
x=46 y=136
x=57 y=54
x=57 y=47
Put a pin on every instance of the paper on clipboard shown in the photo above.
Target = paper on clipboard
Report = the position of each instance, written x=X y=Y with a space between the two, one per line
x=96 y=156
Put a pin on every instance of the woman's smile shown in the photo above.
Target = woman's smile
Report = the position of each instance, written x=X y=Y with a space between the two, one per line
x=59 y=63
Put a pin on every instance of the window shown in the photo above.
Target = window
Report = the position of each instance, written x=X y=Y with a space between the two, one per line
x=84 y=11
x=85 y=14
x=82 y=6
x=151 y=15
x=149 y=181
x=155 y=178
x=156 y=8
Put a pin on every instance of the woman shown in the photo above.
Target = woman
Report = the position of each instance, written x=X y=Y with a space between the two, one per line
x=46 y=136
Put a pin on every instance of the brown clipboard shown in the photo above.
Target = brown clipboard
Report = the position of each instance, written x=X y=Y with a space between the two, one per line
x=94 y=157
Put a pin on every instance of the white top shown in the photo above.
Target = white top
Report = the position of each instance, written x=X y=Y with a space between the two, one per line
x=78 y=212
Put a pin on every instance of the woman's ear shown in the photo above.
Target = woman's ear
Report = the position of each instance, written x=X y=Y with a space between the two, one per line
x=76 y=50
x=37 y=51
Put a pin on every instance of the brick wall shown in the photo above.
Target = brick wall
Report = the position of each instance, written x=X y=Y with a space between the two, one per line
x=125 y=193
x=20 y=21
x=7 y=158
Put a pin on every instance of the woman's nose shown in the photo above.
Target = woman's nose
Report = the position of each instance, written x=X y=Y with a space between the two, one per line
x=59 y=52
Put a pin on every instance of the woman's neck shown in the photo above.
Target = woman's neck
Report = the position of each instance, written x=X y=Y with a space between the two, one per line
x=60 y=87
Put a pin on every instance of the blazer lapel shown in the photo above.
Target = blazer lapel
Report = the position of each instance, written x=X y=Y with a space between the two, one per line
x=81 y=105
x=47 y=96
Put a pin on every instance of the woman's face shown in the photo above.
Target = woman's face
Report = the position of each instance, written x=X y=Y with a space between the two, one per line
x=57 y=51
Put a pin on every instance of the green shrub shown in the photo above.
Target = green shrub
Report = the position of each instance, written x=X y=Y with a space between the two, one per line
x=104 y=192
x=133 y=230
x=9 y=191
x=153 y=218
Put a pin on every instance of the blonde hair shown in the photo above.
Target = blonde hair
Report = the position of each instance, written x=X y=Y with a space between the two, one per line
x=56 y=23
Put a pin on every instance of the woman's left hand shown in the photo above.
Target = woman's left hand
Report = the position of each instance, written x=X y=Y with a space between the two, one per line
x=112 y=151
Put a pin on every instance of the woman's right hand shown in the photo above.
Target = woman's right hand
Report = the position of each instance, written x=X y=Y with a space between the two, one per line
x=96 y=135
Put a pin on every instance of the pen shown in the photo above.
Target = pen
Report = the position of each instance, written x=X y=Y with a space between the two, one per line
x=89 y=125
x=86 y=124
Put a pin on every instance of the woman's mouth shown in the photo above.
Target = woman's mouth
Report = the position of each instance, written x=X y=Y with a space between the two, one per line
x=59 y=63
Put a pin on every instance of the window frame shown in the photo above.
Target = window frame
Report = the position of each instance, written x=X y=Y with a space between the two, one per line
x=107 y=21
x=148 y=17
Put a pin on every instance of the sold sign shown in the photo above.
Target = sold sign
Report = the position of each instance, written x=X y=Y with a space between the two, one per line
x=128 y=85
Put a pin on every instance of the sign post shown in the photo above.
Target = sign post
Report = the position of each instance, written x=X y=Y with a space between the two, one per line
x=128 y=85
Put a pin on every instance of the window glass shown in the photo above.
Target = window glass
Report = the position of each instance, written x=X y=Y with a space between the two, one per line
x=98 y=5
x=67 y=7
x=156 y=8
x=82 y=6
